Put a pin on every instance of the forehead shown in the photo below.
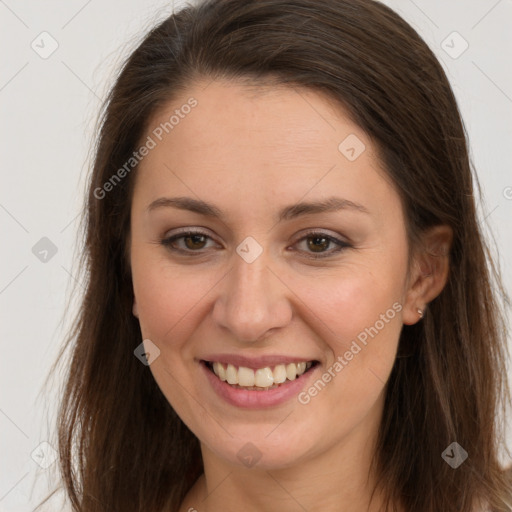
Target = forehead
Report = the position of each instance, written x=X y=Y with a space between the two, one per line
x=280 y=117
x=246 y=143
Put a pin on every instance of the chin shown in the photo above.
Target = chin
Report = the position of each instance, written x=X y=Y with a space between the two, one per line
x=264 y=448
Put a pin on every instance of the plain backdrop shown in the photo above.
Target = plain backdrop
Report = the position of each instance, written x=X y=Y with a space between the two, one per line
x=49 y=106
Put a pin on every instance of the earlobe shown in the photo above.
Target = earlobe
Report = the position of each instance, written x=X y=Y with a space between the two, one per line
x=135 y=311
x=429 y=273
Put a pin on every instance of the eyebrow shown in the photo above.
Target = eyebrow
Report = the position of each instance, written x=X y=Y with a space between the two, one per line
x=331 y=204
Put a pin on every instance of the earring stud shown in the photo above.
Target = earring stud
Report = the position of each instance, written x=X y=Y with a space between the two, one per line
x=420 y=312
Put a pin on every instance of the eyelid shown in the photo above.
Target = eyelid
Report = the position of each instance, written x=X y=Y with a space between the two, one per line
x=321 y=231
x=186 y=231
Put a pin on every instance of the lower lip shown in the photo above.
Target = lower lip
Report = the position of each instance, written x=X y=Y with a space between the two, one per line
x=257 y=399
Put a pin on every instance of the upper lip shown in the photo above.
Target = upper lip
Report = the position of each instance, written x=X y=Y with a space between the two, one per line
x=255 y=362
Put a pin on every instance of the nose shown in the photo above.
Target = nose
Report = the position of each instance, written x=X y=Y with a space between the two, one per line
x=252 y=302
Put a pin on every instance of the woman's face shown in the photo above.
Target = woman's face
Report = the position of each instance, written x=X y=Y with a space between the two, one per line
x=247 y=289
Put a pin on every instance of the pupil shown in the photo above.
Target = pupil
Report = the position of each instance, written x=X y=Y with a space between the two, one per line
x=196 y=239
x=316 y=238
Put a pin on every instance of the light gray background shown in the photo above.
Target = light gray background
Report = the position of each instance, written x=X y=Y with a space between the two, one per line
x=48 y=110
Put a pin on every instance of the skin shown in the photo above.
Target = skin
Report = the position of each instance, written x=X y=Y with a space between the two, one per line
x=251 y=152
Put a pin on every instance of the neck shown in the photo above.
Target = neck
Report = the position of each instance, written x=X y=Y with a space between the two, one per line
x=337 y=479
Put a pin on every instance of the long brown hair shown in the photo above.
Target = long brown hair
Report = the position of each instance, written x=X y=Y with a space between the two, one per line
x=122 y=447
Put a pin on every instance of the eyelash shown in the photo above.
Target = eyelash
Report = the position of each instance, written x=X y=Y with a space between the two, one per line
x=341 y=245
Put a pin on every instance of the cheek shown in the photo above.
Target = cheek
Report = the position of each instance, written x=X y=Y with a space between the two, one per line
x=170 y=302
x=360 y=319
x=351 y=302
x=169 y=299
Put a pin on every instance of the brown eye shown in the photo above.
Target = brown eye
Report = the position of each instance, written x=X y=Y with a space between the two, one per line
x=190 y=241
x=318 y=245
x=194 y=241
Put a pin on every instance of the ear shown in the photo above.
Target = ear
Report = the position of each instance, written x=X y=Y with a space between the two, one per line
x=428 y=272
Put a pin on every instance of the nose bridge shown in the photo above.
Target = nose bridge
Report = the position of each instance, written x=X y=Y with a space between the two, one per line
x=252 y=300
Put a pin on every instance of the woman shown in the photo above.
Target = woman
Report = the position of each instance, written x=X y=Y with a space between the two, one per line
x=290 y=305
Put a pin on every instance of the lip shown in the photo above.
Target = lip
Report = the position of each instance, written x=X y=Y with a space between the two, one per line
x=258 y=399
x=255 y=362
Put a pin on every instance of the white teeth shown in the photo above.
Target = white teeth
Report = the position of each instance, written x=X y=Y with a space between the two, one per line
x=279 y=373
x=245 y=376
x=219 y=371
x=262 y=377
x=291 y=371
x=231 y=374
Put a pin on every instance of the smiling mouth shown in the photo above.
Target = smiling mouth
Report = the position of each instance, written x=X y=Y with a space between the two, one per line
x=261 y=379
